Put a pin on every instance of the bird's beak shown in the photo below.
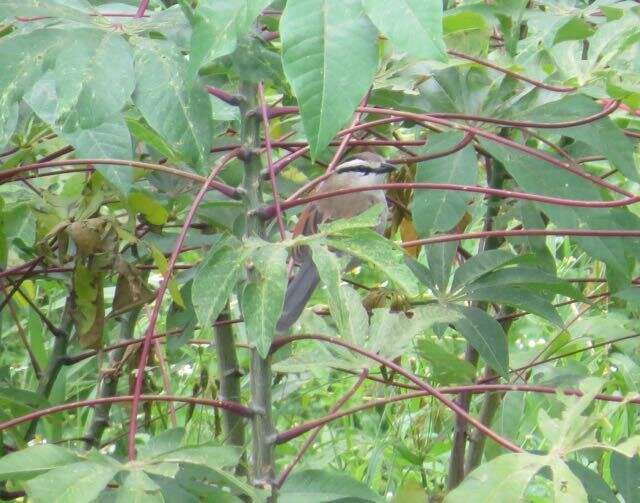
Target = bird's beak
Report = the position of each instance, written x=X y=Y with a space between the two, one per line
x=386 y=167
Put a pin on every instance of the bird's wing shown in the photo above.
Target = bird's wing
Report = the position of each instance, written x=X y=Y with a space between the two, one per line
x=298 y=293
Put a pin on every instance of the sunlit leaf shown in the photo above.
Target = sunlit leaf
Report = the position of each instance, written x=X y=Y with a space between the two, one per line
x=263 y=297
x=321 y=39
x=414 y=26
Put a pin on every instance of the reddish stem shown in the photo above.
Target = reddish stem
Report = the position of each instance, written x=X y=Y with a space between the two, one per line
x=537 y=83
x=610 y=107
x=445 y=238
x=236 y=408
x=7 y=175
x=269 y=151
x=228 y=98
x=352 y=143
x=268 y=212
x=347 y=137
x=278 y=343
x=285 y=473
x=142 y=8
x=468 y=138
x=146 y=345
x=419 y=118
x=285 y=436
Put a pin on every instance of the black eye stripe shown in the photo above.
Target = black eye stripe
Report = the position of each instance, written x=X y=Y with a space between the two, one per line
x=357 y=169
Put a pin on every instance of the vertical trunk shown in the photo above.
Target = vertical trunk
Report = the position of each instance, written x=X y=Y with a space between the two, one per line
x=109 y=382
x=495 y=178
x=263 y=431
x=229 y=375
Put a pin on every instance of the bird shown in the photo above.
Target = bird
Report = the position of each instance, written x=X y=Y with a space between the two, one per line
x=364 y=169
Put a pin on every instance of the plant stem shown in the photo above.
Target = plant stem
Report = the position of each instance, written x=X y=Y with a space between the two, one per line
x=109 y=383
x=229 y=374
x=58 y=355
x=262 y=425
x=495 y=177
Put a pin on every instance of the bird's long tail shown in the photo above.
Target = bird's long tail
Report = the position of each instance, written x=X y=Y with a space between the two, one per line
x=298 y=293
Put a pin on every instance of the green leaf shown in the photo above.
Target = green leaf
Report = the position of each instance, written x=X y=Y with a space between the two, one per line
x=391 y=334
x=94 y=77
x=486 y=335
x=594 y=484
x=519 y=297
x=446 y=368
x=22 y=59
x=109 y=140
x=28 y=463
x=178 y=108
x=213 y=456
x=344 y=304
x=263 y=297
x=381 y=253
x=414 y=26
x=440 y=210
x=215 y=31
x=152 y=210
x=208 y=484
x=145 y=134
x=325 y=486
x=167 y=441
x=218 y=24
x=215 y=280
x=138 y=488
x=529 y=277
x=78 y=11
x=576 y=28
x=74 y=483
x=330 y=56
x=626 y=475
x=367 y=219
x=602 y=136
x=501 y=480
x=566 y=486
x=538 y=177
x=440 y=257
x=479 y=265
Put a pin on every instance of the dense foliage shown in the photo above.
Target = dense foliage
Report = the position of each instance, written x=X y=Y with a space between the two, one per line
x=155 y=158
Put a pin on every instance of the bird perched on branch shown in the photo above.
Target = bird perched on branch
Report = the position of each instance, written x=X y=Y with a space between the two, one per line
x=362 y=170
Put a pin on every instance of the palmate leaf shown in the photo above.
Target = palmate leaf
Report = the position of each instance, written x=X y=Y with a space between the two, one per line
x=602 y=136
x=22 y=58
x=536 y=176
x=346 y=310
x=177 y=107
x=218 y=24
x=262 y=298
x=414 y=26
x=440 y=210
x=31 y=462
x=485 y=334
x=83 y=95
x=329 y=56
x=368 y=245
x=77 y=482
x=216 y=278
x=325 y=486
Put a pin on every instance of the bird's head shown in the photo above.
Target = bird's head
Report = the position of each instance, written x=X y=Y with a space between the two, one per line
x=366 y=167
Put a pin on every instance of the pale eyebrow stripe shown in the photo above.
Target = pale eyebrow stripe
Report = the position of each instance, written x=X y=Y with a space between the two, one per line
x=352 y=164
